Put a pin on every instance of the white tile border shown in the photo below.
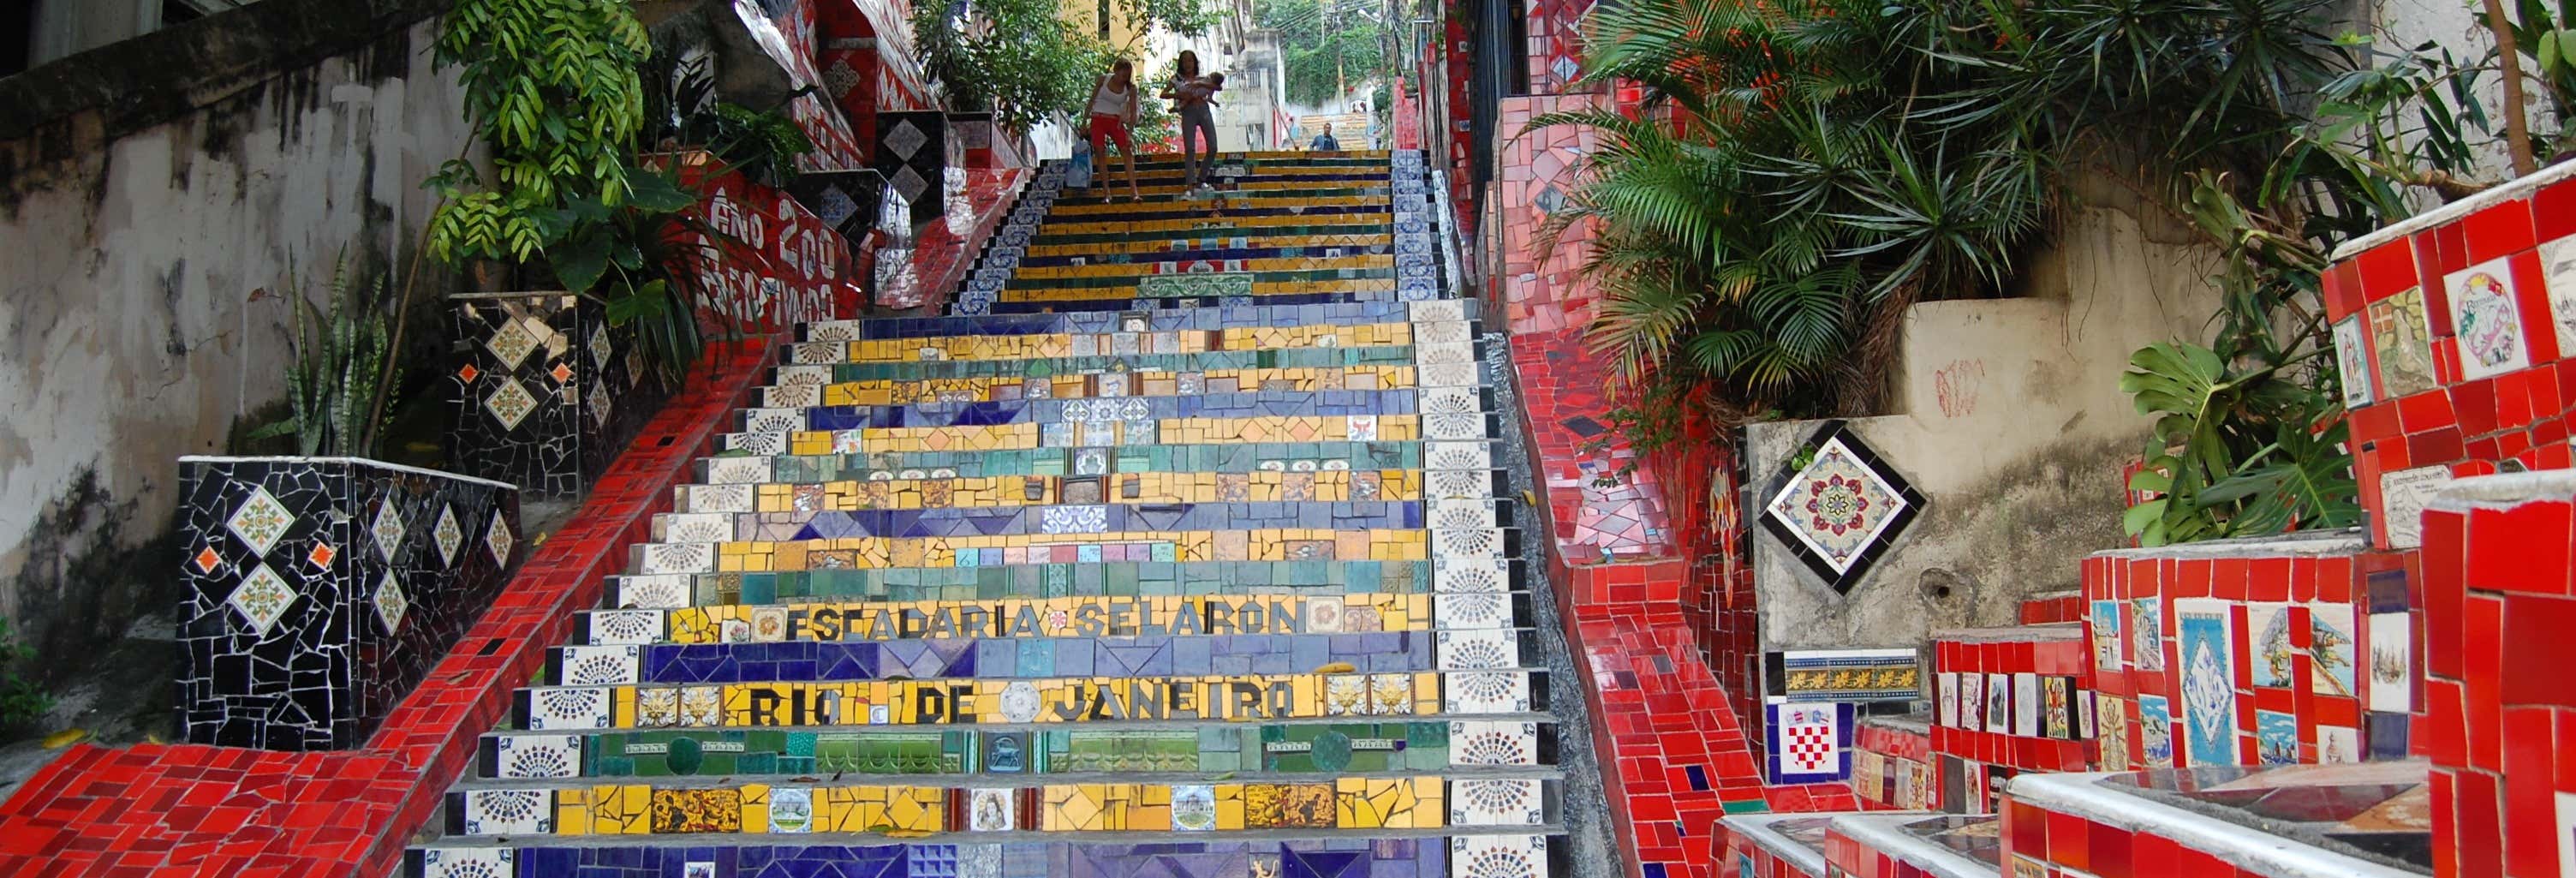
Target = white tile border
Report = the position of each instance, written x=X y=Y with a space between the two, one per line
x=2083 y=795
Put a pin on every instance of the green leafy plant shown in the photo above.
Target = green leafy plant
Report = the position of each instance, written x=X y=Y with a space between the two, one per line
x=23 y=701
x=1025 y=61
x=553 y=91
x=1327 y=46
x=2236 y=449
x=336 y=383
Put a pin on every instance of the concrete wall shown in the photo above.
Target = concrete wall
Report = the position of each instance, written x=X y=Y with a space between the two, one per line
x=143 y=209
x=2009 y=419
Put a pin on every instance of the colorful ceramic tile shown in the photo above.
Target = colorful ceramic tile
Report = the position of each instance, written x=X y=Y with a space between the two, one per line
x=1972 y=701
x=2403 y=494
x=2558 y=268
x=2147 y=633
x=1844 y=675
x=2486 y=319
x=1840 y=506
x=2276 y=738
x=2402 y=344
x=2352 y=361
x=991 y=810
x=1999 y=703
x=2269 y=624
x=1809 y=743
x=2028 y=705
x=2208 y=680
x=2103 y=625
x=2155 y=732
x=2338 y=745
x=2392 y=663
x=2112 y=731
x=791 y=810
x=1946 y=698
x=2057 y=718
x=2331 y=637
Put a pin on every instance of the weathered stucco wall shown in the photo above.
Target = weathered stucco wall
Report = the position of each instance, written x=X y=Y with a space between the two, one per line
x=143 y=206
x=2011 y=423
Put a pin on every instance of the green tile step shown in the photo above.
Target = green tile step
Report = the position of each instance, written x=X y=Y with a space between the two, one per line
x=817 y=468
x=1119 y=579
x=1171 y=753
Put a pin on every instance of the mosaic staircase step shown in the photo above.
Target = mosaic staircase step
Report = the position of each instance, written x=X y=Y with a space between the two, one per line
x=808 y=386
x=1102 y=368
x=776 y=504
x=1048 y=346
x=1293 y=747
x=724 y=484
x=1497 y=855
x=1247 y=613
x=1120 y=271
x=1213 y=698
x=1299 y=500
x=665 y=807
x=1049 y=578
x=1197 y=240
x=1363 y=222
x=1211 y=318
x=1438 y=427
x=1185 y=654
x=1079 y=204
x=1202 y=404
x=1075 y=545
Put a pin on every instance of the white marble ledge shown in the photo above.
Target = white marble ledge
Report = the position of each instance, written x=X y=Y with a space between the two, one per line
x=1885 y=833
x=2314 y=543
x=1759 y=829
x=2048 y=632
x=2453 y=211
x=2253 y=850
x=2505 y=490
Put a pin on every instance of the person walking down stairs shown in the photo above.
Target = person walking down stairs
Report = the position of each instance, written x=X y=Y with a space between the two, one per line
x=1192 y=94
x=1113 y=115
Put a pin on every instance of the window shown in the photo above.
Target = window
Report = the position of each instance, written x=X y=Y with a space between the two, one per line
x=1104 y=19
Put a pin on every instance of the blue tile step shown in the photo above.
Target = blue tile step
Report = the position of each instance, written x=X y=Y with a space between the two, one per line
x=1095 y=579
x=747 y=469
x=1318 y=854
x=1309 y=357
x=1241 y=404
x=1096 y=323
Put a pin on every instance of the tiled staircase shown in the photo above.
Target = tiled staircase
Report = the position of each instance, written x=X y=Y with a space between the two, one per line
x=1176 y=551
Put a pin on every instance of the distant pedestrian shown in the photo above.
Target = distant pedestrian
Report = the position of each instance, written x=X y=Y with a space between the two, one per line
x=1325 y=143
x=1113 y=114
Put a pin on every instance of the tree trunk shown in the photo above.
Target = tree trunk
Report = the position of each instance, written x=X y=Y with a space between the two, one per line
x=2517 y=132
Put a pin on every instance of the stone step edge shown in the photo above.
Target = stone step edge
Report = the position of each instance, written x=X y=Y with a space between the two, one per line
x=819 y=353
x=1469 y=310
x=412 y=864
x=1524 y=643
x=1449 y=512
x=1537 y=714
x=681 y=491
x=637 y=553
x=1491 y=428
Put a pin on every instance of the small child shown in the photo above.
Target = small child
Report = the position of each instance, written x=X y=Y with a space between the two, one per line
x=1203 y=89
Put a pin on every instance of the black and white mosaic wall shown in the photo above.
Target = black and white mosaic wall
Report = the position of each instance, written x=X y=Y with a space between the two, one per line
x=546 y=391
x=320 y=590
x=912 y=153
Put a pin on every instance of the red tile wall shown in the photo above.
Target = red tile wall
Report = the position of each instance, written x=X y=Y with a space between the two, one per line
x=1898 y=751
x=2498 y=609
x=2467 y=425
x=2057 y=657
x=2046 y=844
x=2298 y=581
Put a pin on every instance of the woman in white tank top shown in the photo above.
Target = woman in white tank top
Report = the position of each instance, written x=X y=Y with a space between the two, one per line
x=1113 y=112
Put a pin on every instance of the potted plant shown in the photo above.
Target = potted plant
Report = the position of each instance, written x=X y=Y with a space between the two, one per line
x=322 y=585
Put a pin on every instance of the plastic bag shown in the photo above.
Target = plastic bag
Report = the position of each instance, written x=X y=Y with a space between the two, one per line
x=1079 y=175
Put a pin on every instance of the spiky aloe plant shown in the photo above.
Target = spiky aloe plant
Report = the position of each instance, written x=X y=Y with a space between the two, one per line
x=332 y=386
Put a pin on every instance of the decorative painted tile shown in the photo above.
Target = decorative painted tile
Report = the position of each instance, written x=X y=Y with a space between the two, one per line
x=2276 y=738
x=261 y=598
x=1999 y=703
x=498 y=540
x=387 y=530
x=1523 y=856
x=2155 y=732
x=1194 y=808
x=567 y=709
x=2338 y=745
x=600 y=665
x=2147 y=633
x=1945 y=699
x=390 y=602
x=1972 y=701
x=509 y=812
x=260 y=520
x=1810 y=743
x=2104 y=628
x=512 y=343
x=1487 y=742
x=510 y=403
x=2352 y=361
x=653 y=591
x=992 y=810
x=2028 y=705
x=473 y=862
x=791 y=810
x=1472 y=692
x=2402 y=344
x=1844 y=675
x=1497 y=802
x=2269 y=623
x=447 y=536
x=2486 y=319
x=2057 y=709
x=702 y=706
x=2392 y=663
x=2111 y=730
x=1470 y=610
x=2558 y=267
x=524 y=756
x=1073 y=519
x=1840 y=507
x=2403 y=495
x=2208 y=684
x=2331 y=636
